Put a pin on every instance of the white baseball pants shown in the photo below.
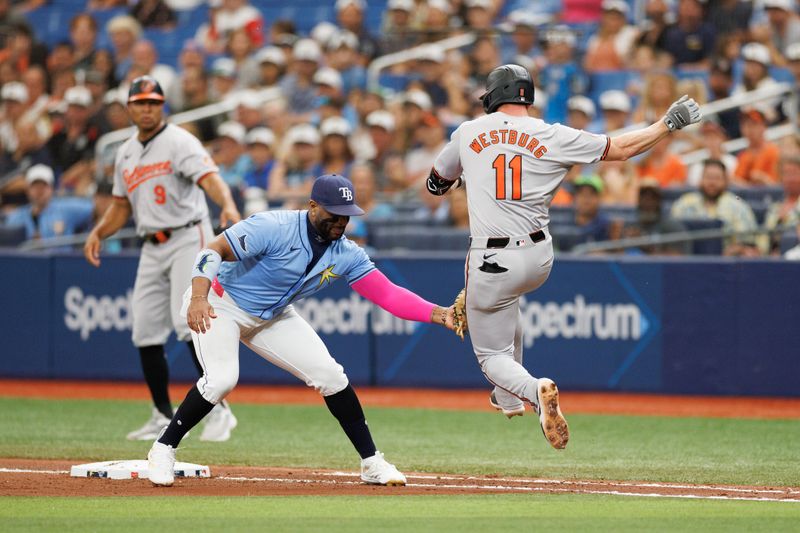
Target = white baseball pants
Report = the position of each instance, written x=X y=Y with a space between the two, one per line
x=286 y=341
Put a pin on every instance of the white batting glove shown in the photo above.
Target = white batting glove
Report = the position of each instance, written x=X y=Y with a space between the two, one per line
x=681 y=113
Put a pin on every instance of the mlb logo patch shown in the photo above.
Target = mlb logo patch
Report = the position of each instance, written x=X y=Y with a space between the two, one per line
x=519 y=242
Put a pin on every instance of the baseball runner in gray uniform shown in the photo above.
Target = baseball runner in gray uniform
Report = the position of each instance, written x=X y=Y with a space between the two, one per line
x=160 y=174
x=512 y=165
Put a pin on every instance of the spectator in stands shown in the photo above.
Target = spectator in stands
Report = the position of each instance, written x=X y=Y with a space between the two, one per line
x=298 y=86
x=524 y=37
x=415 y=103
x=479 y=15
x=114 y=111
x=154 y=14
x=363 y=179
x=562 y=78
x=95 y=81
x=782 y=28
x=144 y=57
x=336 y=155
x=328 y=82
x=350 y=15
x=436 y=22
x=101 y=200
x=23 y=50
x=657 y=18
x=228 y=152
x=786 y=211
x=35 y=80
x=590 y=224
x=580 y=112
x=382 y=127
x=271 y=66
x=45 y=216
x=483 y=58
x=660 y=90
x=293 y=174
x=430 y=137
x=83 y=36
x=793 y=61
x=9 y=18
x=616 y=108
x=240 y=48
x=343 y=55
x=72 y=144
x=758 y=163
x=755 y=75
x=124 y=31
x=711 y=137
x=14 y=96
x=610 y=46
x=249 y=112
x=397 y=30
x=260 y=144
x=691 y=39
x=30 y=150
x=730 y=16
x=659 y=163
x=230 y=16
x=620 y=182
x=650 y=220
x=432 y=69
x=720 y=85
x=458 y=213
x=714 y=201
x=223 y=78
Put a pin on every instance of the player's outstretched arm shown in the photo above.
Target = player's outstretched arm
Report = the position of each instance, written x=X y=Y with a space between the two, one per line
x=216 y=189
x=113 y=219
x=681 y=113
x=402 y=302
x=206 y=266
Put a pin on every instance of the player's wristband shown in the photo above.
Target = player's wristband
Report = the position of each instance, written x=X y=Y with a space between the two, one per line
x=206 y=264
x=437 y=185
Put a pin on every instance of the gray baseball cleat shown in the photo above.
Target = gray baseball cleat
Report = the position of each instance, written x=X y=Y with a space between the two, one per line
x=554 y=425
x=519 y=411
x=219 y=424
x=151 y=428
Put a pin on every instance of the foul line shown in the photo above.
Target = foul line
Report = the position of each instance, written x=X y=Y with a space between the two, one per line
x=503 y=488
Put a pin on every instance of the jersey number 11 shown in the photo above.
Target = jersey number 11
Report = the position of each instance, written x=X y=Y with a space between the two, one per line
x=515 y=165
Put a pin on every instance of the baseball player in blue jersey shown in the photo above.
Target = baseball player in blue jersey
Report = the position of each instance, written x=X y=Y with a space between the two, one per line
x=243 y=286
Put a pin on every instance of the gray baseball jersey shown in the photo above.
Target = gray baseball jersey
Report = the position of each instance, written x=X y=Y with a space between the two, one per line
x=512 y=167
x=160 y=178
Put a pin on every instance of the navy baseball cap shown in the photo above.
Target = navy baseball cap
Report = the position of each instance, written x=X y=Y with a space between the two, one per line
x=335 y=193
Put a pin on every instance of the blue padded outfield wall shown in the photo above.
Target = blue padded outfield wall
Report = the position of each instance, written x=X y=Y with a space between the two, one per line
x=673 y=326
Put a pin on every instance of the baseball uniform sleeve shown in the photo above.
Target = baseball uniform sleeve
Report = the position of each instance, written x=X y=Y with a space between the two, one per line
x=578 y=147
x=119 y=188
x=192 y=161
x=360 y=264
x=448 y=163
x=253 y=236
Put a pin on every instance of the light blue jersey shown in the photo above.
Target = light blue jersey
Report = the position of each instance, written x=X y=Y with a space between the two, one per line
x=273 y=252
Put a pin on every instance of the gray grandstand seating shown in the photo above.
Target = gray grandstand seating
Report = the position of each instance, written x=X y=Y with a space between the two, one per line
x=11 y=236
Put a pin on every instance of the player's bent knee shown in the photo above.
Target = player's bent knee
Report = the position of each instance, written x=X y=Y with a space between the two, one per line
x=215 y=389
x=332 y=382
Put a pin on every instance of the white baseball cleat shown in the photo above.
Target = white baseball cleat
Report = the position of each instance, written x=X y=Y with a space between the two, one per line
x=554 y=425
x=151 y=428
x=219 y=424
x=376 y=470
x=518 y=411
x=161 y=465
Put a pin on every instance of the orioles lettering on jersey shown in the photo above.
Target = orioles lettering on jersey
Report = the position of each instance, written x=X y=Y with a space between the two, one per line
x=140 y=174
x=508 y=136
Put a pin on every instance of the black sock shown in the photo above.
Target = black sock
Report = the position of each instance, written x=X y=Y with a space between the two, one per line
x=344 y=405
x=188 y=415
x=156 y=374
x=195 y=360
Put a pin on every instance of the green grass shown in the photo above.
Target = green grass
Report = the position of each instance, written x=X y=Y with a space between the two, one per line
x=696 y=450
x=460 y=514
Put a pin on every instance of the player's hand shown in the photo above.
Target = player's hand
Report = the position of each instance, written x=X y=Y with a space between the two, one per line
x=199 y=315
x=229 y=216
x=91 y=249
x=681 y=113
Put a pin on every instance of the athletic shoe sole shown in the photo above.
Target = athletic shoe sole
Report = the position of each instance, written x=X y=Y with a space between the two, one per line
x=508 y=413
x=554 y=425
x=390 y=483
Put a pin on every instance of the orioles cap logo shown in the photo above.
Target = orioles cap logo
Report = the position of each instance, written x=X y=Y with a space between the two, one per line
x=147 y=86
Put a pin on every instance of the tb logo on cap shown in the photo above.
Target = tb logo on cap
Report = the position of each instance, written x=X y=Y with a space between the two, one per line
x=347 y=194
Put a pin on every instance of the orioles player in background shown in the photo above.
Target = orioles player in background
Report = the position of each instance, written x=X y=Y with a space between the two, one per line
x=160 y=174
x=243 y=286
x=512 y=165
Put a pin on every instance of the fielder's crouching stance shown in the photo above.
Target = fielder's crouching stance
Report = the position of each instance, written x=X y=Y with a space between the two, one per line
x=243 y=285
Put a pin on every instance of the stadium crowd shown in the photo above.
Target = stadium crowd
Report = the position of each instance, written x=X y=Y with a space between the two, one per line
x=304 y=107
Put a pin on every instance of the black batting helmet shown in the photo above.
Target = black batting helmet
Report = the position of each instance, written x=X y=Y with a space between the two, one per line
x=508 y=84
x=145 y=88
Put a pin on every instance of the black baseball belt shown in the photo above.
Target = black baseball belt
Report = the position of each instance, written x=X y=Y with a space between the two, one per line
x=162 y=236
x=502 y=242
